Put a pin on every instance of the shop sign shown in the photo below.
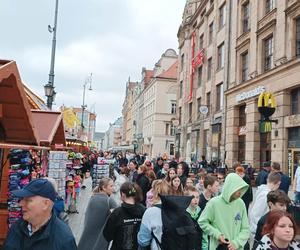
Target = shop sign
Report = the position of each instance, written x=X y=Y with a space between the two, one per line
x=242 y=130
x=249 y=94
x=290 y=163
x=266 y=105
x=265 y=127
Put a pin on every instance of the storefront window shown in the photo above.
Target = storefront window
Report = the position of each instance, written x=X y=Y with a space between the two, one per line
x=295 y=101
x=242 y=115
x=294 y=137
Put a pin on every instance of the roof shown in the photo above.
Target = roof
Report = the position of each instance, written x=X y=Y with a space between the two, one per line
x=34 y=100
x=148 y=75
x=15 y=117
x=50 y=127
x=170 y=73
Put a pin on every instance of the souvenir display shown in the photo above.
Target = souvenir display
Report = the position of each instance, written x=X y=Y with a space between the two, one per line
x=21 y=165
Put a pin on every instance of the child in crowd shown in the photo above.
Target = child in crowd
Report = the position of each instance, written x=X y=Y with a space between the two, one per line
x=211 y=188
x=176 y=186
x=276 y=200
x=194 y=211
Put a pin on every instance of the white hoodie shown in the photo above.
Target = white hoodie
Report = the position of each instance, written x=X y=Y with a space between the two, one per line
x=259 y=207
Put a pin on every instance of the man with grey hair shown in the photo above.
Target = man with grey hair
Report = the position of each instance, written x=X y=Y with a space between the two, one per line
x=39 y=228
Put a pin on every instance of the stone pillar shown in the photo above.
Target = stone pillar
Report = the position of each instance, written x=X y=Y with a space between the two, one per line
x=231 y=145
x=252 y=136
x=279 y=132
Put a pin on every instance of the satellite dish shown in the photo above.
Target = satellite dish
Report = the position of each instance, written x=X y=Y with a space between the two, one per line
x=203 y=110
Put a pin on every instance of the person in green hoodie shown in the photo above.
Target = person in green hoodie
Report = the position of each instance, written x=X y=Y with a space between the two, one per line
x=224 y=218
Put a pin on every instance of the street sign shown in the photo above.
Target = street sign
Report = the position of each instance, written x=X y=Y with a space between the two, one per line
x=203 y=110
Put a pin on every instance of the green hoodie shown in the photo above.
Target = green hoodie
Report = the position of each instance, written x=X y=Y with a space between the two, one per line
x=222 y=216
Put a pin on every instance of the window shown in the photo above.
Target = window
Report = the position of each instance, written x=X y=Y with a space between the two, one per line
x=172 y=130
x=298 y=36
x=167 y=129
x=190 y=111
x=208 y=102
x=198 y=106
x=172 y=149
x=173 y=107
x=246 y=17
x=295 y=94
x=269 y=5
x=221 y=56
x=201 y=42
x=180 y=89
x=220 y=97
x=209 y=68
x=182 y=62
x=222 y=17
x=245 y=66
x=268 y=53
x=199 y=76
x=242 y=116
x=211 y=32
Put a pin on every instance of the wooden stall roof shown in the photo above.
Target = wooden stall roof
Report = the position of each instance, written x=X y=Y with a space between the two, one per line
x=16 y=125
x=49 y=126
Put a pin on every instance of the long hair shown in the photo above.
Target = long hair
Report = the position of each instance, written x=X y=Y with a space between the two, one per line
x=178 y=191
x=102 y=184
x=272 y=221
x=160 y=187
x=168 y=178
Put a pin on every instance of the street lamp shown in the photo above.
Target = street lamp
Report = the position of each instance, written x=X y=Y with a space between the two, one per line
x=83 y=106
x=49 y=88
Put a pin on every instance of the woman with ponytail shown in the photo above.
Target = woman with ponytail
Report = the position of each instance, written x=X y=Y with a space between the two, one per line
x=124 y=222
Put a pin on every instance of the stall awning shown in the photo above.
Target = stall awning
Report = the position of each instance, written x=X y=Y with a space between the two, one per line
x=16 y=125
x=50 y=127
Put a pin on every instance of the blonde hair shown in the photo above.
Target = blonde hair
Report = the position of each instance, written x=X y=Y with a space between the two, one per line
x=160 y=187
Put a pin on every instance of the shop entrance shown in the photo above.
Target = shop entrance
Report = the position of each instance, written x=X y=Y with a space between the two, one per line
x=293 y=161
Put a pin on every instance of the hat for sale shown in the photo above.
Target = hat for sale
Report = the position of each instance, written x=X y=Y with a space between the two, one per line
x=41 y=187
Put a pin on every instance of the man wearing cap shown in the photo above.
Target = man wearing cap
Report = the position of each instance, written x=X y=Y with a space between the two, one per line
x=39 y=228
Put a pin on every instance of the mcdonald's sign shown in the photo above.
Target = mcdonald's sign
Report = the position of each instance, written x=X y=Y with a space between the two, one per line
x=266 y=105
x=265 y=127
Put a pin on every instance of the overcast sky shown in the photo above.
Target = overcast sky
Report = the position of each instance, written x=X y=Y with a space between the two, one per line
x=113 y=39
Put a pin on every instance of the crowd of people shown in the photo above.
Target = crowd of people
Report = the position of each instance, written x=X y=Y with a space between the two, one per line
x=166 y=205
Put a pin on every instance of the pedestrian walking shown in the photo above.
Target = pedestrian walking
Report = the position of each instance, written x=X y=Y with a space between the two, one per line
x=98 y=209
x=260 y=206
x=224 y=218
x=143 y=181
x=124 y=222
x=279 y=232
x=39 y=228
x=277 y=200
x=296 y=184
x=151 y=225
x=285 y=180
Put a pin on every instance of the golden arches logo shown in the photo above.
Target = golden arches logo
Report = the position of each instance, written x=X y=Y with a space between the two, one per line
x=266 y=99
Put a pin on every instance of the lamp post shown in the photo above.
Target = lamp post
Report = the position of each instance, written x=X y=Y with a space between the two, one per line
x=83 y=106
x=49 y=87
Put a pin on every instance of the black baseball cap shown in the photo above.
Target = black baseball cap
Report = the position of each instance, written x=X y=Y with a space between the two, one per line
x=41 y=187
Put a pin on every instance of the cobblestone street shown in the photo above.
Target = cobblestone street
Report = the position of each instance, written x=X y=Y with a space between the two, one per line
x=76 y=221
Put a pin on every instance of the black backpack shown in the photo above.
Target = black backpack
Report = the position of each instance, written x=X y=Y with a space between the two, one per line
x=179 y=229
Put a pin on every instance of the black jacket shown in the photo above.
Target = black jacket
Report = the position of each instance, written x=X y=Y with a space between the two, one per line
x=144 y=184
x=248 y=196
x=285 y=183
x=55 y=235
x=262 y=177
x=123 y=225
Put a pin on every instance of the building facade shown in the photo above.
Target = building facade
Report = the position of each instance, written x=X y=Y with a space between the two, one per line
x=159 y=107
x=113 y=136
x=203 y=76
x=264 y=56
x=128 y=128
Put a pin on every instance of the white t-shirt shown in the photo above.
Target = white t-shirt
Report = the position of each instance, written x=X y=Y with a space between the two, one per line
x=297 y=175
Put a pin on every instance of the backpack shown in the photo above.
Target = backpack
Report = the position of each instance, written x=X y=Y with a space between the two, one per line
x=178 y=229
